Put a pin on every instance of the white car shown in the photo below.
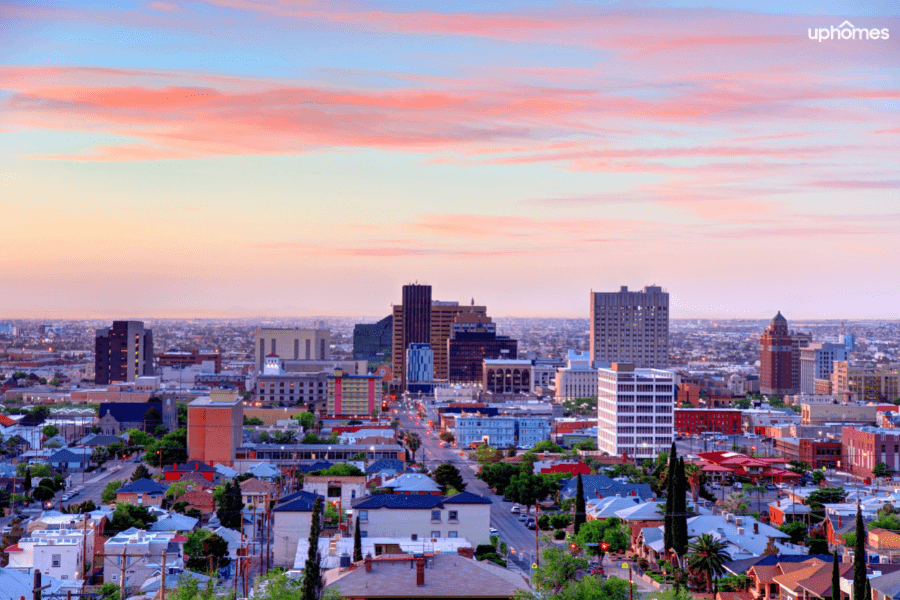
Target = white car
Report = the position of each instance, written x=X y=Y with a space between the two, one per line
x=494 y=531
x=516 y=509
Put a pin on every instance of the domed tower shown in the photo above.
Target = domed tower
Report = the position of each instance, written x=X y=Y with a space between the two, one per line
x=775 y=358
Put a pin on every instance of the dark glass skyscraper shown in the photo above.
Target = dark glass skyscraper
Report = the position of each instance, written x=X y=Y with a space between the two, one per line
x=123 y=352
x=416 y=318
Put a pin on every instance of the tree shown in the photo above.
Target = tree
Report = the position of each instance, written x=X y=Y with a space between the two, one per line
x=529 y=489
x=797 y=530
x=264 y=436
x=109 y=591
x=127 y=516
x=340 y=469
x=881 y=470
x=141 y=472
x=547 y=446
x=26 y=482
x=497 y=475
x=694 y=474
x=49 y=431
x=736 y=503
x=557 y=570
x=818 y=477
x=448 y=437
x=203 y=545
x=413 y=442
x=109 y=492
x=357 y=542
x=42 y=494
x=252 y=421
x=307 y=420
x=742 y=403
x=613 y=531
x=822 y=496
x=801 y=467
x=886 y=519
x=189 y=589
x=680 y=539
x=708 y=556
x=176 y=490
x=312 y=577
x=671 y=492
x=759 y=488
x=486 y=454
x=580 y=508
x=229 y=505
x=448 y=476
x=859 y=558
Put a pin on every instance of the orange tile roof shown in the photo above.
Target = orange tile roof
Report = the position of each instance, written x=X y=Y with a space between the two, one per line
x=886 y=538
x=791 y=580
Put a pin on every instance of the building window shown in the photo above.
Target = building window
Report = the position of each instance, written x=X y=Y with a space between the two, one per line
x=56 y=560
x=414 y=537
x=435 y=515
x=115 y=576
x=435 y=534
x=452 y=534
x=363 y=515
x=363 y=534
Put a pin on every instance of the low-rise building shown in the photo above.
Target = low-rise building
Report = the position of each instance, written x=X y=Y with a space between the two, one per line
x=134 y=555
x=57 y=553
x=142 y=492
x=412 y=483
x=340 y=489
x=818 y=414
x=256 y=493
x=578 y=379
x=865 y=447
x=691 y=421
x=417 y=517
x=500 y=432
x=291 y=521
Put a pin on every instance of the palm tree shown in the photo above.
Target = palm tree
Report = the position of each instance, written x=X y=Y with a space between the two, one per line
x=707 y=556
x=692 y=472
x=759 y=487
x=413 y=442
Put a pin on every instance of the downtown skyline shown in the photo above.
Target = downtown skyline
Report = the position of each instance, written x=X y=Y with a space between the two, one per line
x=236 y=158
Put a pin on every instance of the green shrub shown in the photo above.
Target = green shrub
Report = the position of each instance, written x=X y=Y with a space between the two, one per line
x=559 y=534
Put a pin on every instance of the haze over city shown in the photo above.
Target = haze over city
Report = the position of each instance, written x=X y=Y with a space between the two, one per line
x=273 y=158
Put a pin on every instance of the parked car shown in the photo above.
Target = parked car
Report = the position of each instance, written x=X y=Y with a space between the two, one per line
x=715 y=485
x=523 y=517
x=515 y=509
x=678 y=438
x=494 y=531
x=530 y=525
x=65 y=497
x=770 y=487
x=738 y=485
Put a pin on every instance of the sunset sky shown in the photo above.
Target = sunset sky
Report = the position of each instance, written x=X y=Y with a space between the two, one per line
x=266 y=157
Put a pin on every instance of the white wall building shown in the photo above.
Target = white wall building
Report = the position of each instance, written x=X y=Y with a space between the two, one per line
x=578 y=379
x=59 y=554
x=635 y=410
x=817 y=362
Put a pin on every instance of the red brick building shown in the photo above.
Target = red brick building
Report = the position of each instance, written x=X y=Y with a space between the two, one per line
x=865 y=447
x=215 y=427
x=700 y=420
x=175 y=358
x=775 y=358
x=820 y=453
x=690 y=393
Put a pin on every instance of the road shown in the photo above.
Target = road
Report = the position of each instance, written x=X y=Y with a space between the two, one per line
x=511 y=530
x=91 y=485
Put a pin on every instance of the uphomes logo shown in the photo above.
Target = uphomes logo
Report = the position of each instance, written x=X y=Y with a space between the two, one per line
x=846 y=31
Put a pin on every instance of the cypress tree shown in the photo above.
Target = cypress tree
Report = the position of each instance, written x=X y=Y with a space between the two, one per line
x=312 y=575
x=357 y=542
x=859 y=558
x=680 y=536
x=580 y=509
x=668 y=525
x=835 y=578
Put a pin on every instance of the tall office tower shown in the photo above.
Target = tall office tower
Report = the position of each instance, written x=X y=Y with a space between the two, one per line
x=419 y=363
x=635 y=410
x=631 y=327
x=474 y=338
x=817 y=362
x=123 y=352
x=799 y=341
x=776 y=358
x=372 y=342
x=441 y=315
x=291 y=344
x=848 y=340
x=412 y=325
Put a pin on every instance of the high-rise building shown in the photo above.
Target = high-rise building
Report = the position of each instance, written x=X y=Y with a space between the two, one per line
x=775 y=358
x=799 y=341
x=412 y=325
x=419 y=363
x=473 y=338
x=859 y=382
x=631 y=327
x=635 y=410
x=817 y=362
x=848 y=340
x=123 y=352
x=291 y=344
x=215 y=427
x=351 y=394
x=372 y=341
x=440 y=318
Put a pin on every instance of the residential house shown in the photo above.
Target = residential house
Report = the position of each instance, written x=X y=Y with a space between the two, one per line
x=385 y=467
x=89 y=529
x=256 y=493
x=884 y=543
x=202 y=500
x=781 y=512
x=134 y=555
x=291 y=521
x=602 y=486
x=70 y=460
x=341 y=490
x=836 y=525
x=425 y=516
x=174 y=522
x=17 y=584
x=57 y=553
x=264 y=472
x=176 y=471
x=412 y=483
x=197 y=480
x=142 y=492
x=438 y=576
x=331 y=548
x=93 y=440
x=885 y=586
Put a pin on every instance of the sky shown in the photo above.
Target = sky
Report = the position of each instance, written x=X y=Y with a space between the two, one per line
x=287 y=157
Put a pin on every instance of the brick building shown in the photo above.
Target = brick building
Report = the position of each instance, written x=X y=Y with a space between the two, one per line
x=700 y=420
x=775 y=355
x=215 y=427
x=176 y=358
x=865 y=447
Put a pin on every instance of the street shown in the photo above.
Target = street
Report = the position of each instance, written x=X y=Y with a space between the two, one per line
x=518 y=538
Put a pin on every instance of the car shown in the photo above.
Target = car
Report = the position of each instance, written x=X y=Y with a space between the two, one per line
x=738 y=485
x=678 y=438
x=770 y=487
x=494 y=531
x=715 y=485
x=516 y=508
x=523 y=517
x=65 y=497
x=530 y=525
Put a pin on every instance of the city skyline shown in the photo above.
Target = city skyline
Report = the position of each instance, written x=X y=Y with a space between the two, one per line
x=230 y=158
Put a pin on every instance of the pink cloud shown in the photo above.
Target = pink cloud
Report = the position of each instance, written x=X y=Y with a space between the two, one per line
x=885 y=184
x=164 y=6
x=126 y=152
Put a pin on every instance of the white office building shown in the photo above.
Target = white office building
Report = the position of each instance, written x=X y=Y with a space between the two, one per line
x=817 y=362
x=578 y=379
x=635 y=410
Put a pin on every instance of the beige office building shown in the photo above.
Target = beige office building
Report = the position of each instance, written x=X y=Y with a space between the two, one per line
x=631 y=327
x=291 y=344
x=850 y=382
x=819 y=414
x=442 y=315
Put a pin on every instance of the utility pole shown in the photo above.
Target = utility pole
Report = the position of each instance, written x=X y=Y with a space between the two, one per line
x=84 y=554
x=162 y=580
x=122 y=576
